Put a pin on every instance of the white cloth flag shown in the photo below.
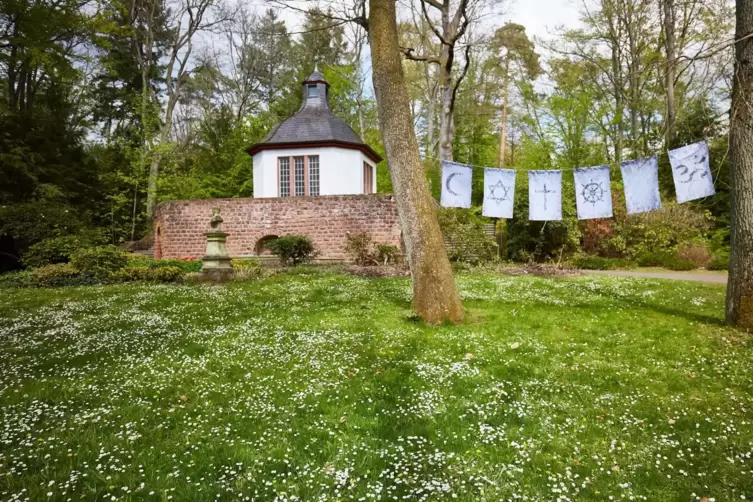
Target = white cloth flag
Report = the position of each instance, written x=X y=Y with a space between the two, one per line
x=499 y=192
x=691 y=171
x=593 y=196
x=544 y=195
x=641 y=180
x=456 y=184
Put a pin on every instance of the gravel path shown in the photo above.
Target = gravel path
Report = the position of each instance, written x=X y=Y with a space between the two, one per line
x=680 y=276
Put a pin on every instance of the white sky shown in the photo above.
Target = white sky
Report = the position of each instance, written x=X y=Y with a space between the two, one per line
x=541 y=17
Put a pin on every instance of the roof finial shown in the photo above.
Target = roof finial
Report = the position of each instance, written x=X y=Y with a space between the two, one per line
x=316 y=63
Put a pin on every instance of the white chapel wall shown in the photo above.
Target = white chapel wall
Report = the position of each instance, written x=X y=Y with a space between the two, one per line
x=340 y=170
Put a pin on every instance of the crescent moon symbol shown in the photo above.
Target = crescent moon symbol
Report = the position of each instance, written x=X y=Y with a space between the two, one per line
x=447 y=183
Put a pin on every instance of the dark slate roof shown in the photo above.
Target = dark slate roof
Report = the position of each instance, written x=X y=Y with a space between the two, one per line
x=313 y=124
x=315 y=77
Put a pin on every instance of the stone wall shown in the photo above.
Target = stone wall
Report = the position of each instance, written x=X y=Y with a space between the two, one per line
x=179 y=226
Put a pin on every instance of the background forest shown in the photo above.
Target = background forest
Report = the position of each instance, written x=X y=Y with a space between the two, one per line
x=109 y=107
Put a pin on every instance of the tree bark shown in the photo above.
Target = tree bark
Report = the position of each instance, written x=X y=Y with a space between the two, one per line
x=740 y=285
x=435 y=298
x=503 y=128
x=446 y=103
x=431 y=92
x=669 y=43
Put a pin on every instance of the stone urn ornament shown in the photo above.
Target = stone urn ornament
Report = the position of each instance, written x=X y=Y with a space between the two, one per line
x=217 y=266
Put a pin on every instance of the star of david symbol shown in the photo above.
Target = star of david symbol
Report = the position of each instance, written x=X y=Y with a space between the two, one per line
x=494 y=194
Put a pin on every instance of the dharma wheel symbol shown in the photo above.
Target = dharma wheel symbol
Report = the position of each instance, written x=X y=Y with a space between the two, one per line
x=593 y=192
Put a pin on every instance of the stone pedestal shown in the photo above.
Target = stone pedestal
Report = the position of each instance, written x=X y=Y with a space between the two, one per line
x=217 y=266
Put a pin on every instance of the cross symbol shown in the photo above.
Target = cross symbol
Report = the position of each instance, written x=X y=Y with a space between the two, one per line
x=545 y=191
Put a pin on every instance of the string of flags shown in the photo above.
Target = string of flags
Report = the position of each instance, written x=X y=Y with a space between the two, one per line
x=691 y=172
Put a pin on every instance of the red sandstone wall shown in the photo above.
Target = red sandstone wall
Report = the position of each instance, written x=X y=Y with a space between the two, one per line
x=179 y=226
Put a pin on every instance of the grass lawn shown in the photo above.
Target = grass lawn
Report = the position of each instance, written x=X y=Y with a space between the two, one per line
x=317 y=386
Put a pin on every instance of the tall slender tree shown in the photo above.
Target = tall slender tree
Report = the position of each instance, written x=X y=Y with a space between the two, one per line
x=518 y=57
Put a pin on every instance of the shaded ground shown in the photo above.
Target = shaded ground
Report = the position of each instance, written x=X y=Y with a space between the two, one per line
x=317 y=386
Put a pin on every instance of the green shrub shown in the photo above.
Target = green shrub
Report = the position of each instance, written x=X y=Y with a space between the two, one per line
x=293 y=249
x=22 y=279
x=246 y=269
x=664 y=230
x=99 y=262
x=387 y=254
x=133 y=273
x=666 y=259
x=157 y=274
x=166 y=274
x=59 y=249
x=655 y=259
x=362 y=251
x=590 y=262
x=719 y=261
x=465 y=237
x=359 y=249
x=187 y=266
x=696 y=252
x=59 y=274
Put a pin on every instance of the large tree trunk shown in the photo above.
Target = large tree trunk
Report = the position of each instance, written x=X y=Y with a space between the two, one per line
x=740 y=285
x=669 y=42
x=435 y=298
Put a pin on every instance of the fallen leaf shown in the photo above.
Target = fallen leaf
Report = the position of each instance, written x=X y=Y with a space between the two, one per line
x=184 y=398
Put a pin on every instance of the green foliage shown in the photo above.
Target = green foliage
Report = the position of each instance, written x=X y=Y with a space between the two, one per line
x=99 y=262
x=719 y=261
x=293 y=249
x=59 y=274
x=666 y=259
x=155 y=274
x=590 y=262
x=59 y=249
x=166 y=274
x=465 y=237
x=538 y=240
x=187 y=266
x=22 y=279
x=387 y=254
x=359 y=248
x=246 y=269
x=33 y=222
x=665 y=229
x=363 y=251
